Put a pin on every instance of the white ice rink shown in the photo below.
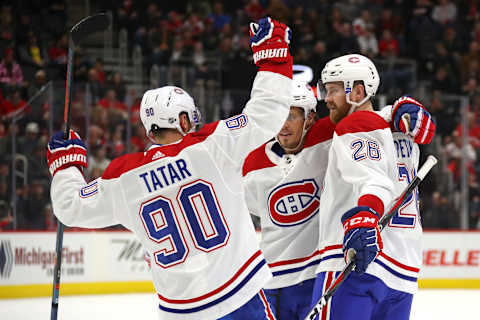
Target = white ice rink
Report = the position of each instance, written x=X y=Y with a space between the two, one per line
x=427 y=305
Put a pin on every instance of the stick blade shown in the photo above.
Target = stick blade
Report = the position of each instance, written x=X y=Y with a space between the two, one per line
x=94 y=23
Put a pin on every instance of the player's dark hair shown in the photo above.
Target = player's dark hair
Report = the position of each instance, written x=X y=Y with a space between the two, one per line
x=158 y=132
x=357 y=82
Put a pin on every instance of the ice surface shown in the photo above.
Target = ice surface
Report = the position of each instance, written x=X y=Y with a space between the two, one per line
x=427 y=305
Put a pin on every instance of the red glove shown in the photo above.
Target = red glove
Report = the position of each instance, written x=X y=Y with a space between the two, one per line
x=62 y=153
x=269 y=40
x=419 y=124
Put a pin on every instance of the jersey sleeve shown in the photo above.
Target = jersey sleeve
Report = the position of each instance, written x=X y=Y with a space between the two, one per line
x=250 y=190
x=261 y=119
x=365 y=155
x=80 y=204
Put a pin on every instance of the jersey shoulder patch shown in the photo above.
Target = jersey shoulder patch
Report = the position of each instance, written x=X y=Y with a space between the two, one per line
x=256 y=160
x=322 y=130
x=361 y=121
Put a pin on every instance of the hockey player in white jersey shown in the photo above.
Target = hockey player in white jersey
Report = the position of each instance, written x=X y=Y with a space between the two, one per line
x=367 y=169
x=282 y=186
x=283 y=180
x=183 y=198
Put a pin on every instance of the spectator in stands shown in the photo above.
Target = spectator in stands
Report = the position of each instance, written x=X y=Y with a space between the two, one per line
x=28 y=142
x=452 y=43
x=4 y=180
x=34 y=205
x=473 y=55
x=278 y=10
x=96 y=136
x=444 y=81
x=160 y=56
x=194 y=25
x=111 y=111
x=254 y=10
x=363 y=23
x=445 y=117
x=470 y=87
x=24 y=26
x=98 y=160
x=13 y=104
x=473 y=129
x=318 y=58
x=219 y=17
x=36 y=167
x=444 y=12
x=200 y=63
x=139 y=141
x=32 y=53
x=391 y=22
x=118 y=85
x=6 y=218
x=306 y=36
x=7 y=33
x=367 y=41
x=442 y=58
x=388 y=45
x=438 y=213
x=97 y=89
x=455 y=151
x=40 y=79
x=80 y=66
x=110 y=101
x=10 y=71
x=348 y=41
x=58 y=51
x=117 y=146
x=99 y=66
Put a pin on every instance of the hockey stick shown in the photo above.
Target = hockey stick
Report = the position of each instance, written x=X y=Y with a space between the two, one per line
x=382 y=223
x=94 y=23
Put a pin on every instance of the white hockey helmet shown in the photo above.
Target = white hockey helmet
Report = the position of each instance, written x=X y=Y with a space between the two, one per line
x=303 y=96
x=162 y=108
x=348 y=69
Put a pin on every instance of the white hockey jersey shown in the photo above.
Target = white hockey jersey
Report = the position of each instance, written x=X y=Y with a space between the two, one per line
x=366 y=159
x=284 y=191
x=185 y=202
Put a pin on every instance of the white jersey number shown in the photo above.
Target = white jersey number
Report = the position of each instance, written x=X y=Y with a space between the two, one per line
x=406 y=217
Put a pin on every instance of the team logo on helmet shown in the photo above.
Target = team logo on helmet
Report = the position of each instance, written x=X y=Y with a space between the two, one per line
x=354 y=59
x=178 y=90
x=293 y=203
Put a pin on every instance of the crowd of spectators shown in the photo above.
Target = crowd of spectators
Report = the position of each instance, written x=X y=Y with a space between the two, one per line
x=434 y=43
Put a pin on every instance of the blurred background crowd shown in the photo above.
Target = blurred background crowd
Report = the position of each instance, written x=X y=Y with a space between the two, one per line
x=429 y=49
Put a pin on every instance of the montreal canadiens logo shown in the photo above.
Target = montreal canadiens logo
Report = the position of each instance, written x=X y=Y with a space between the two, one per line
x=293 y=203
x=354 y=59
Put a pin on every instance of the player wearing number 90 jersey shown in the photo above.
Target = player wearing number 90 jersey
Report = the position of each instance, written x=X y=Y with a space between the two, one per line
x=184 y=199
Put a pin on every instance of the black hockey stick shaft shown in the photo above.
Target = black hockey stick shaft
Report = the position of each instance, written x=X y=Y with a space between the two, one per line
x=88 y=25
x=382 y=223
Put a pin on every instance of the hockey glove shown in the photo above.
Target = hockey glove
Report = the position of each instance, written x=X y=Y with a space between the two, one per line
x=419 y=126
x=269 y=40
x=362 y=240
x=62 y=153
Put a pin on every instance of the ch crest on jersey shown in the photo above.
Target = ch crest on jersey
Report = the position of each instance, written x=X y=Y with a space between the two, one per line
x=293 y=203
